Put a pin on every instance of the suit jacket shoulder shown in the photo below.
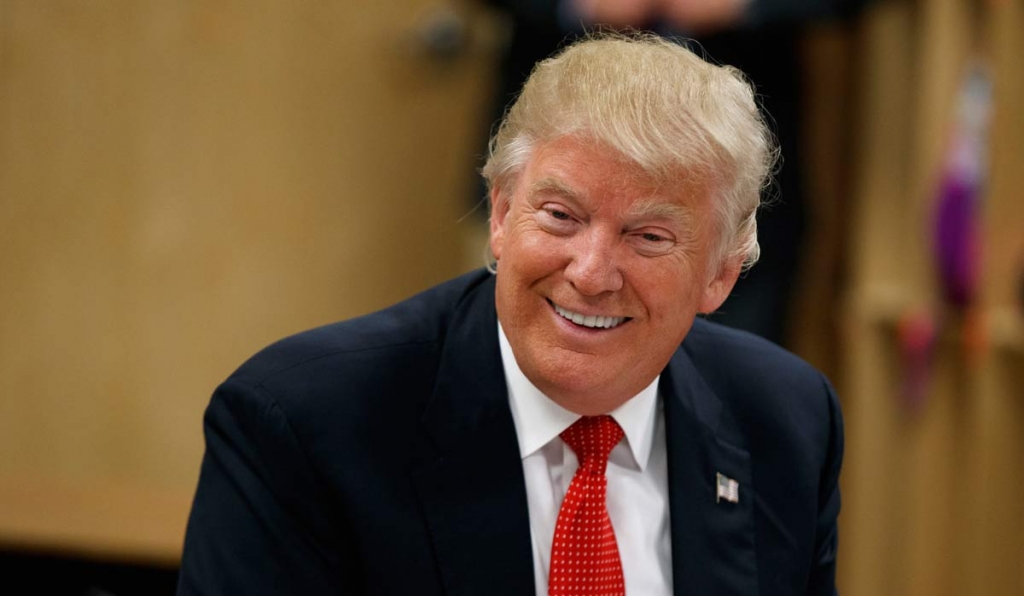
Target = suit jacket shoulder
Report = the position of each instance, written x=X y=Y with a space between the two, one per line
x=421 y=320
x=308 y=484
x=773 y=394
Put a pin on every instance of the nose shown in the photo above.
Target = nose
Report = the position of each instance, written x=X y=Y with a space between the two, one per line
x=594 y=268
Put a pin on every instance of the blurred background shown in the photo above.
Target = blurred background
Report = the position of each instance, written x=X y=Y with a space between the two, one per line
x=183 y=182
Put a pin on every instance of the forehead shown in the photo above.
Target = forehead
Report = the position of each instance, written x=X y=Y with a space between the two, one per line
x=597 y=176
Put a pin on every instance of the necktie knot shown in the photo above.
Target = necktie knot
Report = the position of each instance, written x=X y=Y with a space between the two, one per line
x=592 y=438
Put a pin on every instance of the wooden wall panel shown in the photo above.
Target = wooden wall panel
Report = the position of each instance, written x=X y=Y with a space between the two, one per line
x=180 y=184
x=931 y=492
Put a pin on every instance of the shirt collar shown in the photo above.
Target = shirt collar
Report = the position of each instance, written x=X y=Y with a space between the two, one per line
x=539 y=419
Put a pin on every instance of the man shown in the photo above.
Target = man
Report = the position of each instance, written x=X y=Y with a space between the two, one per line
x=546 y=429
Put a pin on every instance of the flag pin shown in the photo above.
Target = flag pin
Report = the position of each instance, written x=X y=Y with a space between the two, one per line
x=728 y=489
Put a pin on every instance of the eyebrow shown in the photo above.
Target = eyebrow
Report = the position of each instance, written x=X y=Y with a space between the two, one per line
x=649 y=208
x=656 y=209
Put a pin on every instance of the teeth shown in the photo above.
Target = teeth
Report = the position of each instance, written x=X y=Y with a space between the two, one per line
x=592 y=321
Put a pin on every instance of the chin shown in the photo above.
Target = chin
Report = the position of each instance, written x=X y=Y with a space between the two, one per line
x=573 y=385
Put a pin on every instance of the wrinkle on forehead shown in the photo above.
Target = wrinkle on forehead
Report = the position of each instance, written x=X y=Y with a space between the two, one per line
x=552 y=185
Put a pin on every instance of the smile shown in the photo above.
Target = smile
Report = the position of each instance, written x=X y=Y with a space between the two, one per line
x=591 y=321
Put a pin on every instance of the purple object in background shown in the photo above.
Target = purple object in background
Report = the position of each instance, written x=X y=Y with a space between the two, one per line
x=958 y=205
x=956 y=245
x=1020 y=278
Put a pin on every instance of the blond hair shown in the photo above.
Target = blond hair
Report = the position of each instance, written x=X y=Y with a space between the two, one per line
x=678 y=117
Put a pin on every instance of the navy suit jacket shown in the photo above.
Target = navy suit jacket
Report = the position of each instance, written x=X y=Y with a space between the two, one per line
x=379 y=456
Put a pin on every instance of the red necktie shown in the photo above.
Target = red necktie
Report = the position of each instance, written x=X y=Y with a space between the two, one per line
x=584 y=554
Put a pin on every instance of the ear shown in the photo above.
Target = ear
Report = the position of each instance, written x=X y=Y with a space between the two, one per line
x=721 y=284
x=500 y=203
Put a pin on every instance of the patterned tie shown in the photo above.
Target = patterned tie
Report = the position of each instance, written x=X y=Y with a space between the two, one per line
x=584 y=555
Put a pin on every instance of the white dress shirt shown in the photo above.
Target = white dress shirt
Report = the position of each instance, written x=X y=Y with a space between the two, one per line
x=637 y=479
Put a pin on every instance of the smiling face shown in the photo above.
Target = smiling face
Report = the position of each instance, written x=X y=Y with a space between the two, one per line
x=600 y=272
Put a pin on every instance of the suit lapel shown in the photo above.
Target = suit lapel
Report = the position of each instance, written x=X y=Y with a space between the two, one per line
x=473 y=494
x=713 y=550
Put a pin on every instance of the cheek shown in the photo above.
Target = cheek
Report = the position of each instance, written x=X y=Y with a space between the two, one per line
x=536 y=252
x=671 y=316
x=672 y=297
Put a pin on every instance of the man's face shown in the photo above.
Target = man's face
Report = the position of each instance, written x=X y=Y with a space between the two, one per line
x=600 y=272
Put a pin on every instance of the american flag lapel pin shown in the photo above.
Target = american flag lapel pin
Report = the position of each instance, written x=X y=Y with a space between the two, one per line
x=728 y=489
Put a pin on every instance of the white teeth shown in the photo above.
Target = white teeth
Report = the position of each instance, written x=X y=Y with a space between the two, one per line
x=592 y=321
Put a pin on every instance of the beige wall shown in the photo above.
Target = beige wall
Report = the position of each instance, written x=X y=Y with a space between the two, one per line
x=932 y=494
x=181 y=183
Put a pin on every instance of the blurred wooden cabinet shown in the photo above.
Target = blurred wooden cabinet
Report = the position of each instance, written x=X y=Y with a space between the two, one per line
x=183 y=182
x=933 y=491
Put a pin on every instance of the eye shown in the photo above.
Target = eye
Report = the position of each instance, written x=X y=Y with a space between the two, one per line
x=556 y=219
x=652 y=242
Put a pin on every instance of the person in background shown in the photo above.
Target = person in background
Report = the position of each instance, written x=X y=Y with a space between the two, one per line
x=563 y=422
